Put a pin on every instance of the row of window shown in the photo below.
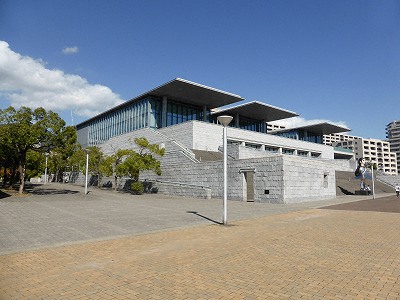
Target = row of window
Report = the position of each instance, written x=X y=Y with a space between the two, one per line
x=273 y=149
x=302 y=135
x=145 y=113
x=127 y=119
x=148 y=113
x=178 y=113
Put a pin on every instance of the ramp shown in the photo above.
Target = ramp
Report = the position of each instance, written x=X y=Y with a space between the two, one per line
x=347 y=184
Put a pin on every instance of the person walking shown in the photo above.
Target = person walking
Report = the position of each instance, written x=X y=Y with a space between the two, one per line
x=397 y=189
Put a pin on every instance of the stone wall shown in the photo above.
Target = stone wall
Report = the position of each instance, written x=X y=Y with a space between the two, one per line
x=277 y=178
x=308 y=180
x=185 y=190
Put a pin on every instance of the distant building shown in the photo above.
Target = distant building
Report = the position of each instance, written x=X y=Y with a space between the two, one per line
x=393 y=137
x=273 y=127
x=316 y=133
x=331 y=139
x=374 y=150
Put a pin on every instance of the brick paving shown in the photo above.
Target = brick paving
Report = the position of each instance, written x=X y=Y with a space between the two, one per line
x=302 y=254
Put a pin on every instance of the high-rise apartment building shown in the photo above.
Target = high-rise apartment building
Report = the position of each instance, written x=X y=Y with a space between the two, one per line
x=331 y=139
x=393 y=137
x=273 y=127
x=373 y=150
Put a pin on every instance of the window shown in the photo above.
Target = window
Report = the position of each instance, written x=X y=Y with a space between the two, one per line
x=288 y=151
x=126 y=119
x=178 y=113
x=271 y=149
x=302 y=153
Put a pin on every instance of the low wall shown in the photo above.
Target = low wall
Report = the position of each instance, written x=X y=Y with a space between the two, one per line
x=186 y=190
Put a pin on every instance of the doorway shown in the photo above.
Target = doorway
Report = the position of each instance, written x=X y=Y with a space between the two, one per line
x=248 y=193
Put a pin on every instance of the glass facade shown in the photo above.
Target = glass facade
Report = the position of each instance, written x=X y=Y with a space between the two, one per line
x=155 y=115
x=129 y=118
x=178 y=113
x=302 y=135
x=246 y=123
x=144 y=113
x=250 y=124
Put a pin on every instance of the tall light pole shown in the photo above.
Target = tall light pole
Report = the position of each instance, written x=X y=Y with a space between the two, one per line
x=225 y=120
x=87 y=170
x=45 y=170
x=373 y=181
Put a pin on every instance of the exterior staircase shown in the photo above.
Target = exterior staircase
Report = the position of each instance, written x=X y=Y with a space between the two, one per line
x=347 y=184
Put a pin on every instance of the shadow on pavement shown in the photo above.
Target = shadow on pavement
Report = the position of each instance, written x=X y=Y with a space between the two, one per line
x=344 y=191
x=39 y=189
x=52 y=192
x=385 y=204
x=34 y=189
x=204 y=217
x=4 y=195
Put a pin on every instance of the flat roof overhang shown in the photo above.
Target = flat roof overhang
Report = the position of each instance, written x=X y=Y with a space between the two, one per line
x=183 y=91
x=319 y=128
x=189 y=92
x=257 y=110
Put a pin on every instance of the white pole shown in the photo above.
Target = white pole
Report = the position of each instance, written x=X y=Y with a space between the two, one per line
x=225 y=120
x=87 y=171
x=373 y=181
x=225 y=210
x=45 y=170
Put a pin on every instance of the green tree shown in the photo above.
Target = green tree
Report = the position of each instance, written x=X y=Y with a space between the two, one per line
x=61 y=151
x=96 y=163
x=8 y=157
x=35 y=164
x=143 y=160
x=77 y=160
x=110 y=165
x=26 y=129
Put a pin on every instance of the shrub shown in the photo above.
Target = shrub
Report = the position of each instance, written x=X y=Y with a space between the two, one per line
x=137 y=187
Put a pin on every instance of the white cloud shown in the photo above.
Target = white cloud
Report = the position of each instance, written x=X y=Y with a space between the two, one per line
x=27 y=82
x=70 y=50
x=299 y=121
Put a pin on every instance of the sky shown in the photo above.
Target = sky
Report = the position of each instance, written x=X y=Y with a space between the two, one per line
x=336 y=61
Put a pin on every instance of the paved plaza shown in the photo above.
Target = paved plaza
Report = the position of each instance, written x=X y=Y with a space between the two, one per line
x=57 y=243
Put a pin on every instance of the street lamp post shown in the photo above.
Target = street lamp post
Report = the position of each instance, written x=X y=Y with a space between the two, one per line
x=373 y=181
x=45 y=170
x=225 y=120
x=87 y=170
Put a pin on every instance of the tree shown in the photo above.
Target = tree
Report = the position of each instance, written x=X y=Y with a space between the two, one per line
x=26 y=129
x=110 y=166
x=77 y=160
x=96 y=162
x=35 y=164
x=61 y=151
x=8 y=157
x=143 y=160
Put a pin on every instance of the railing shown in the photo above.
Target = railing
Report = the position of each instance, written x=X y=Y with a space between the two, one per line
x=342 y=149
x=184 y=150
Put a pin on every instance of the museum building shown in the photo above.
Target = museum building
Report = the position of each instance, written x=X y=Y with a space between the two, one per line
x=281 y=166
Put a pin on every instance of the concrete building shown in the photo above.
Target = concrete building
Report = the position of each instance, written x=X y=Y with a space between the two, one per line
x=273 y=127
x=373 y=150
x=315 y=133
x=181 y=116
x=333 y=138
x=393 y=137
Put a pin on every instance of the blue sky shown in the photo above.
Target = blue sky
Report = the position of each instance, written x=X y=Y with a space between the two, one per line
x=325 y=60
